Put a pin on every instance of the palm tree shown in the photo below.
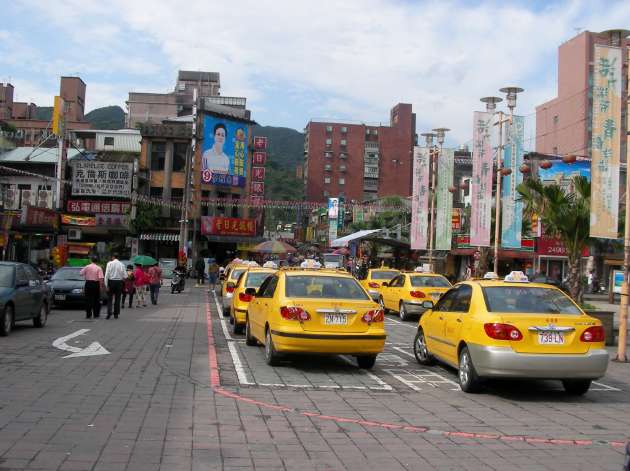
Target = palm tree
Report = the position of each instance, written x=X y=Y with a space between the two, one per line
x=565 y=215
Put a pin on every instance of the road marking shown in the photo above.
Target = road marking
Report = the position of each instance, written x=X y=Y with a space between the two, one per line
x=93 y=349
x=383 y=386
x=221 y=318
x=603 y=387
x=240 y=371
x=392 y=360
x=414 y=379
x=414 y=327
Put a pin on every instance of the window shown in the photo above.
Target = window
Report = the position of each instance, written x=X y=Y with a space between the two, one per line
x=462 y=302
x=429 y=281
x=343 y=156
x=556 y=119
x=328 y=128
x=446 y=301
x=326 y=179
x=344 y=142
x=327 y=167
x=331 y=287
x=158 y=152
x=268 y=287
x=328 y=141
x=179 y=156
x=523 y=299
x=326 y=193
x=328 y=155
x=344 y=129
x=155 y=192
x=342 y=168
x=177 y=194
x=109 y=141
x=20 y=276
x=342 y=181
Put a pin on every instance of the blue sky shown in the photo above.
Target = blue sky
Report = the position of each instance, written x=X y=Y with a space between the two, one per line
x=297 y=60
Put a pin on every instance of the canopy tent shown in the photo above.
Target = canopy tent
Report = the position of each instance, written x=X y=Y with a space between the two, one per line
x=356 y=236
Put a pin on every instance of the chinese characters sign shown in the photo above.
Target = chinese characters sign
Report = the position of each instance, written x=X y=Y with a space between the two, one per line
x=444 y=200
x=93 y=178
x=213 y=225
x=260 y=143
x=420 y=198
x=34 y=216
x=224 y=152
x=110 y=207
x=481 y=191
x=258 y=174
x=259 y=157
x=605 y=146
x=511 y=205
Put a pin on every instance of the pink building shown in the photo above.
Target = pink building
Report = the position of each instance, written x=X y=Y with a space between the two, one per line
x=563 y=124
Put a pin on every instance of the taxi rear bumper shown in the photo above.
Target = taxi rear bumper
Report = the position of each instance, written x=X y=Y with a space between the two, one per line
x=414 y=307
x=333 y=343
x=504 y=362
x=240 y=315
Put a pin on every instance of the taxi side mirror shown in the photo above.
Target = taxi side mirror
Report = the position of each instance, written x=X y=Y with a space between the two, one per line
x=251 y=291
x=427 y=304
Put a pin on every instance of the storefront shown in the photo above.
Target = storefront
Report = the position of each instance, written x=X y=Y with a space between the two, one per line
x=552 y=259
x=32 y=235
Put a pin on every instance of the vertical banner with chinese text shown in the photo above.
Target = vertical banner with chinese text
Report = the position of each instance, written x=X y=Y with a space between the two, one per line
x=511 y=206
x=420 y=198
x=481 y=188
x=605 y=146
x=444 y=200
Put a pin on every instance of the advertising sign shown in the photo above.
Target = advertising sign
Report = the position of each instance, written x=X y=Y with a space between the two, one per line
x=605 y=146
x=93 y=178
x=333 y=208
x=444 y=200
x=511 y=205
x=224 y=152
x=482 y=173
x=34 y=216
x=73 y=220
x=562 y=173
x=617 y=281
x=258 y=188
x=87 y=206
x=112 y=220
x=456 y=220
x=420 y=198
x=553 y=246
x=260 y=143
x=214 y=225
x=258 y=174
x=259 y=158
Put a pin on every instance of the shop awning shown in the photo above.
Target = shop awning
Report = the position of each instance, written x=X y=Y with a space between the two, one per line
x=343 y=241
x=160 y=236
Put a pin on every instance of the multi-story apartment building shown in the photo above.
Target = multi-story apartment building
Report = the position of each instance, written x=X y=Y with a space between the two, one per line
x=360 y=161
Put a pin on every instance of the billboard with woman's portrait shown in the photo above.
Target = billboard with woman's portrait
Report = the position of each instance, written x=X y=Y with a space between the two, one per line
x=224 y=152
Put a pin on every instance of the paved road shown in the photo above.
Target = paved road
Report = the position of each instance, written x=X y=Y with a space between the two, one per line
x=177 y=393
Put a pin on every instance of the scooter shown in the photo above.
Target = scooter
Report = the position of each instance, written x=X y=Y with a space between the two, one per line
x=178 y=282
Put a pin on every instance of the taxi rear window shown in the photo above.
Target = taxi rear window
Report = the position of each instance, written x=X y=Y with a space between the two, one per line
x=526 y=300
x=236 y=273
x=384 y=275
x=323 y=287
x=255 y=279
x=430 y=282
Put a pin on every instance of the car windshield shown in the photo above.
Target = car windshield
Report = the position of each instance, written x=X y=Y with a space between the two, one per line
x=384 y=275
x=324 y=287
x=429 y=281
x=68 y=274
x=236 y=273
x=255 y=279
x=526 y=300
x=6 y=276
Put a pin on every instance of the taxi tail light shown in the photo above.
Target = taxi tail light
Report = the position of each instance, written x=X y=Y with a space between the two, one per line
x=375 y=315
x=371 y=284
x=502 y=331
x=246 y=298
x=294 y=313
x=417 y=294
x=229 y=289
x=593 y=334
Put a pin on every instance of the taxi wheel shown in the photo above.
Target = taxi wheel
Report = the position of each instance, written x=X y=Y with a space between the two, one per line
x=366 y=362
x=249 y=338
x=226 y=312
x=402 y=312
x=576 y=387
x=421 y=351
x=271 y=357
x=468 y=379
x=236 y=327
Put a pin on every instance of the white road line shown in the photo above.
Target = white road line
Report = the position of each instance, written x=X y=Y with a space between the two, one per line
x=414 y=379
x=240 y=371
x=221 y=318
x=383 y=386
x=411 y=326
x=403 y=351
x=603 y=387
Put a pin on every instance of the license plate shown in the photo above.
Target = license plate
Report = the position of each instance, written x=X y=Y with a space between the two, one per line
x=550 y=338
x=60 y=297
x=335 y=319
x=435 y=296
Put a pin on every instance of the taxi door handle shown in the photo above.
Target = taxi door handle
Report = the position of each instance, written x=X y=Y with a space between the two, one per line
x=441 y=318
x=458 y=319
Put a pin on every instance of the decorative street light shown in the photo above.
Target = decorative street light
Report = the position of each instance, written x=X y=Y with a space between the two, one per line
x=440 y=133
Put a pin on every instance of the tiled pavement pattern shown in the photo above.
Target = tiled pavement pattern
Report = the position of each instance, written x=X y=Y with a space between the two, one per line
x=148 y=405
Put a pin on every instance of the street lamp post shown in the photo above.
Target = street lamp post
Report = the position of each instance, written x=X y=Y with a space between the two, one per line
x=440 y=133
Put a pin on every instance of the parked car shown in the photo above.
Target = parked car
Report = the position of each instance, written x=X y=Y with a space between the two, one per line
x=23 y=296
x=68 y=287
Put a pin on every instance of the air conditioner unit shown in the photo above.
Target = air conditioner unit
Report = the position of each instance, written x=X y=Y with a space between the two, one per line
x=45 y=199
x=28 y=198
x=11 y=200
x=74 y=234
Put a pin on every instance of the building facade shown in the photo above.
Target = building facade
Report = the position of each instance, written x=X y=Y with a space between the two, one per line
x=359 y=161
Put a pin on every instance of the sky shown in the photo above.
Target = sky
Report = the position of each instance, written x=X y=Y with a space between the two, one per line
x=296 y=60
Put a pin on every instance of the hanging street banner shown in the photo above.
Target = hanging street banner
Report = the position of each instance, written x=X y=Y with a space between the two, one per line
x=224 y=152
x=92 y=178
x=511 y=206
x=605 y=146
x=333 y=219
x=444 y=200
x=482 y=173
x=420 y=198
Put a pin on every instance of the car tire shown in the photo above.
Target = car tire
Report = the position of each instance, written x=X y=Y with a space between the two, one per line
x=7 y=321
x=250 y=340
x=366 y=362
x=42 y=317
x=576 y=387
x=469 y=382
x=237 y=328
x=421 y=351
x=271 y=356
x=402 y=312
x=227 y=312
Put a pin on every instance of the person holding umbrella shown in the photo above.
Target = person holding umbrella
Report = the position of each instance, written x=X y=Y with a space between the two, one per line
x=140 y=280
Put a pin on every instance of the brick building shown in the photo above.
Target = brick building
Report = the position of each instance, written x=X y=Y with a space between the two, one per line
x=360 y=161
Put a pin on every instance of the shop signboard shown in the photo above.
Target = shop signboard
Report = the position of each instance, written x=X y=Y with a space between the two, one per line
x=463 y=242
x=74 y=220
x=444 y=205
x=511 y=204
x=112 y=219
x=105 y=207
x=482 y=173
x=456 y=219
x=420 y=198
x=91 y=178
x=224 y=152
x=43 y=217
x=553 y=246
x=617 y=281
x=215 y=225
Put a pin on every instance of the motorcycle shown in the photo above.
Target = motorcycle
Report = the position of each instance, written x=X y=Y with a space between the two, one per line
x=178 y=282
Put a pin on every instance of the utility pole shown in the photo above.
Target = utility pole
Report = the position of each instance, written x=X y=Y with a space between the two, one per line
x=189 y=175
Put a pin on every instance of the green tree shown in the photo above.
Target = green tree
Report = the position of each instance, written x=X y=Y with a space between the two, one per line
x=563 y=215
x=146 y=217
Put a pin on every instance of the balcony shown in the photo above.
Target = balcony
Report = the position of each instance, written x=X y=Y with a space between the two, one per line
x=342 y=168
x=370 y=184
x=343 y=155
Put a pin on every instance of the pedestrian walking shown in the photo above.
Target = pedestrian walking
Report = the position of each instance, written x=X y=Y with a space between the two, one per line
x=140 y=281
x=155 y=281
x=93 y=275
x=115 y=274
x=200 y=268
x=213 y=273
x=128 y=288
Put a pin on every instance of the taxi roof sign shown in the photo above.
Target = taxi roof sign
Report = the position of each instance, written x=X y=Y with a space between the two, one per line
x=270 y=264
x=517 y=277
x=491 y=276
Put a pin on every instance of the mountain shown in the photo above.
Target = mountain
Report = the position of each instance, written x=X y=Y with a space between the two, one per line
x=108 y=117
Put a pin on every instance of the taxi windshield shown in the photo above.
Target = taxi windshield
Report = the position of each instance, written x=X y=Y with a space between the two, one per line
x=526 y=300
x=430 y=281
x=384 y=275
x=255 y=279
x=236 y=273
x=324 y=287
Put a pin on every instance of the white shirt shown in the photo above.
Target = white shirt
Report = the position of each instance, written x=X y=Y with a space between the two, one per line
x=115 y=270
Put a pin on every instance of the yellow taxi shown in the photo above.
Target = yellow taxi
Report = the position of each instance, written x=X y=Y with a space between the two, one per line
x=325 y=311
x=246 y=286
x=406 y=292
x=512 y=329
x=232 y=272
x=376 y=278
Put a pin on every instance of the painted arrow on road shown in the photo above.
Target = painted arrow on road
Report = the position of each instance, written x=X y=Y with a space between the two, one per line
x=93 y=349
